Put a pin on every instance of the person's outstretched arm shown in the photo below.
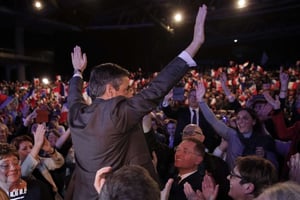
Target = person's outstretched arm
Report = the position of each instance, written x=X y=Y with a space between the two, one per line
x=79 y=62
x=217 y=125
x=198 y=38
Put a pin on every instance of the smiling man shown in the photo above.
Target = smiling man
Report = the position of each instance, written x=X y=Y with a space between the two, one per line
x=189 y=154
x=250 y=176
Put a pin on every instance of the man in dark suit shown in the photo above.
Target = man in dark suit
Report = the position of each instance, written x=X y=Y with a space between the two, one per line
x=190 y=114
x=189 y=154
x=108 y=132
x=213 y=165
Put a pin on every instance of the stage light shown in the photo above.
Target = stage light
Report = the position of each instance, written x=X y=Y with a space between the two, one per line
x=235 y=40
x=45 y=81
x=178 y=17
x=241 y=3
x=38 y=5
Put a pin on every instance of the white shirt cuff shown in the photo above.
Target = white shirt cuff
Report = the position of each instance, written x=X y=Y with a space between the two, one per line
x=187 y=58
x=165 y=104
x=78 y=75
x=218 y=152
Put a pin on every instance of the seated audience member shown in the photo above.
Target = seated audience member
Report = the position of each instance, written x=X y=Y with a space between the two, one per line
x=249 y=138
x=3 y=133
x=11 y=181
x=250 y=176
x=279 y=191
x=215 y=166
x=171 y=127
x=34 y=165
x=189 y=154
x=128 y=182
x=193 y=130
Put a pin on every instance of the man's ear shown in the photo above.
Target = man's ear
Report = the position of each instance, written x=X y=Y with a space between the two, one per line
x=110 y=90
x=248 y=188
x=198 y=160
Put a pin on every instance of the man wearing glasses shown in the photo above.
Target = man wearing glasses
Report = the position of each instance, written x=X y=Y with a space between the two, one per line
x=250 y=176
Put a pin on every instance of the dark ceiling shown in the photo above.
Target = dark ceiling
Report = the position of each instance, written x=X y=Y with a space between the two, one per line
x=135 y=32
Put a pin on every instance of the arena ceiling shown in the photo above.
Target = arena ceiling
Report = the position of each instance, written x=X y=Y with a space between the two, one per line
x=263 y=22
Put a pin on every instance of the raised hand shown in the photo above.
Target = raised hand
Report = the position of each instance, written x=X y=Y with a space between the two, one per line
x=39 y=138
x=274 y=102
x=79 y=60
x=209 y=188
x=190 y=194
x=164 y=194
x=200 y=90
x=199 y=35
x=39 y=135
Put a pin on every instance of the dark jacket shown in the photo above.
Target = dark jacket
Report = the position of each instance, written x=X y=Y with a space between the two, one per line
x=109 y=132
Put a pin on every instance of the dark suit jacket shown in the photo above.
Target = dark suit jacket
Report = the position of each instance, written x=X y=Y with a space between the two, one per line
x=109 y=132
x=183 y=117
x=195 y=180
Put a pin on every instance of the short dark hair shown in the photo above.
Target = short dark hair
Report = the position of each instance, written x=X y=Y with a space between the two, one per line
x=170 y=121
x=130 y=182
x=7 y=150
x=103 y=74
x=19 y=139
x=200 y=148
x=258 y=171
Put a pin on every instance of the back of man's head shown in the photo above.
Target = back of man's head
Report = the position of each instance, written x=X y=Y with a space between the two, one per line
x=103 y=74
x=258 y=171
x=193 y=130
x=130 y=182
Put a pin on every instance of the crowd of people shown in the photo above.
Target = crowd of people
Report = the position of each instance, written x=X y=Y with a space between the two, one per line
x=228 y=133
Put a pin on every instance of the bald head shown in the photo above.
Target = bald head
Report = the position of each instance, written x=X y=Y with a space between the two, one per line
x=193 y=130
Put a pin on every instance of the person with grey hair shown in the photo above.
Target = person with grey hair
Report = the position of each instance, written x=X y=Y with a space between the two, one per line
x=285 y=190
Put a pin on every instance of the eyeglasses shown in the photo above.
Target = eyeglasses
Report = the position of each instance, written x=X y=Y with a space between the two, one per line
x=185 y=151
x=6 y=165
x=232 y=174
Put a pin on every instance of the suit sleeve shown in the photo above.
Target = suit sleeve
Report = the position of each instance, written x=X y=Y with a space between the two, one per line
x=133 y=109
